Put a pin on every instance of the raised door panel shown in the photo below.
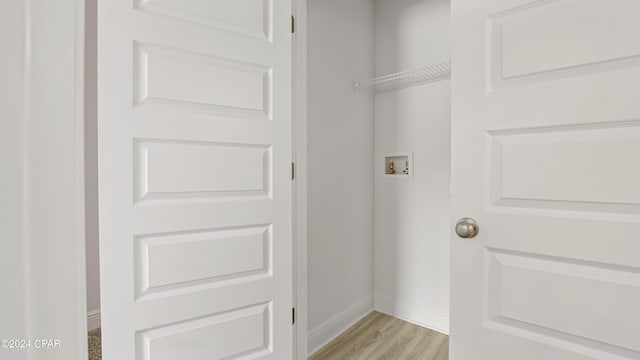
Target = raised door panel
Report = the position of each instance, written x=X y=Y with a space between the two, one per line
x=589 y=304
x=247 y=16
x=566 y=166
x=182 y=260
x=541 y=56
x=180 y=77
x=241 y=333
x=180 y=169
x=568 y=34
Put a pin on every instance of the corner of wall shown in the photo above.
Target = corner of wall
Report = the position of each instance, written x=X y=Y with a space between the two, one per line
x=332 y=328
x=413 y=313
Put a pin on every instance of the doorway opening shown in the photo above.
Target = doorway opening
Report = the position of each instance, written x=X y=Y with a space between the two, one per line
x=378 y=165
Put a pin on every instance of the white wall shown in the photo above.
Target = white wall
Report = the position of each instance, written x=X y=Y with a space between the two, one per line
x=412 y=216
x=42 y=177
x=340 y=166
x=91 y=163
x=12 y=70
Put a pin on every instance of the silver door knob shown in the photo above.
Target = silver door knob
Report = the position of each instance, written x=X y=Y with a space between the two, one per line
x=467 y=228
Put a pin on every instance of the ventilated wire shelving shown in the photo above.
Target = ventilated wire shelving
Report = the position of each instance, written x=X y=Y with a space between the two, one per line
x=425 y=75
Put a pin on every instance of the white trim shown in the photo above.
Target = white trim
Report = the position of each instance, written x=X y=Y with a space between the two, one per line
x=415 y=314
x=55 y=295
x=93 y=320
x=300 y=185
x=25 y=169
x=329 y=330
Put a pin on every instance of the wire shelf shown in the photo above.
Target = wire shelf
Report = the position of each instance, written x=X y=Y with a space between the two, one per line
x=426 y=75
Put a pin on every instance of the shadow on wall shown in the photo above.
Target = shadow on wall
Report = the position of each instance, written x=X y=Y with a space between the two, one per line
x=91 y=163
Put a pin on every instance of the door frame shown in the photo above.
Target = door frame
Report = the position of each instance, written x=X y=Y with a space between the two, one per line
x=50 y=48
x=299 y=101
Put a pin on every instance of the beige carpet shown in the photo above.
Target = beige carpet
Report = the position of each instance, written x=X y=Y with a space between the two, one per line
x=95 y=345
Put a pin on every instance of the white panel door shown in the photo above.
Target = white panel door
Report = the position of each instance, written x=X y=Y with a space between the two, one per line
x=546 y=158
x=195 y=181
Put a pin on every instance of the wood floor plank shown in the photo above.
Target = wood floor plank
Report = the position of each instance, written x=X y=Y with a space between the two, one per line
x=357 y=340
x=382 y=341
x=382 y=337
x=433 y=346
x=358 y=334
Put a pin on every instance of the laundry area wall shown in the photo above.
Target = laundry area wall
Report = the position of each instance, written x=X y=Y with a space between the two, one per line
x=376 y=241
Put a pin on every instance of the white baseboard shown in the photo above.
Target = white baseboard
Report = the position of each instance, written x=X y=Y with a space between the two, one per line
x=93 y=320
x=326 y=332
x=415 y=314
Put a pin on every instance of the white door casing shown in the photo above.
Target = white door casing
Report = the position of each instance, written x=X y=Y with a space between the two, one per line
x=546 y=137
x=194 y=179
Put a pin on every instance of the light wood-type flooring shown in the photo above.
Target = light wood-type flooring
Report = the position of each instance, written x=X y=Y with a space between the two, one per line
x=382 y=337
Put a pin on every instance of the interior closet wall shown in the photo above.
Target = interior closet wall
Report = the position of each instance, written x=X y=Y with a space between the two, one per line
x=412 y=216
x=340 y=166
